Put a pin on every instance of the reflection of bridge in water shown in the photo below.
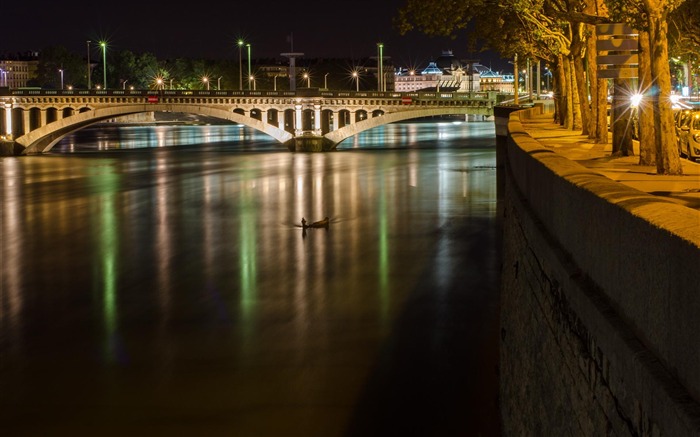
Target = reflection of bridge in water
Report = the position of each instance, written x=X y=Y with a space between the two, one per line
x=33 y=121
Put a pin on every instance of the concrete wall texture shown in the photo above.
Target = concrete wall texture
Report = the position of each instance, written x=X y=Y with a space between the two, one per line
x=600 y=306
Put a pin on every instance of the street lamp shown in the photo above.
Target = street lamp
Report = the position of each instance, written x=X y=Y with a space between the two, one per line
x=274 y=80
x=251 y=79
x=218 y=83
x=249 y=75
x=380 y=66
x=325 y=81
x=104 y=62
x=124 y=84
x=357 y=80
x=88 y=64
x=60 y=70
x=206 y=81
x=308 y=80
x=159 y=83
x=171 y=83
x=240 y=65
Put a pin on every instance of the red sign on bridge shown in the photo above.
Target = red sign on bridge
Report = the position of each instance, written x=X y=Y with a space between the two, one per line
x=152 y=99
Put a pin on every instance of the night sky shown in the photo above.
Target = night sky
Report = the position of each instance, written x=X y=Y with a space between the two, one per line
x=209 y=30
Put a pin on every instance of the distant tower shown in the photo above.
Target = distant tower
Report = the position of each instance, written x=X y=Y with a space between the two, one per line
x=292 y=69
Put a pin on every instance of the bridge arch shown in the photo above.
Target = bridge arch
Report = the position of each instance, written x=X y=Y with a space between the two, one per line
x=44 y=138
x=350 y=130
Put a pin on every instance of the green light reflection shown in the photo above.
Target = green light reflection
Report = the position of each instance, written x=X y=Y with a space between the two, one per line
x=247 y=256
x=108 y=239
x=383 y=254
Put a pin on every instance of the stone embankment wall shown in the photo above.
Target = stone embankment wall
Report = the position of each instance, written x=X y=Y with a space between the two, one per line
x=600 y=306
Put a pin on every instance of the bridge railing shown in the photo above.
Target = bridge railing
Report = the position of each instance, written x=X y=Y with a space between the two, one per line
x=302 y=93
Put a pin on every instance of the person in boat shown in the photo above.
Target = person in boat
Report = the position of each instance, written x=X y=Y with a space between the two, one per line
x=319 y=224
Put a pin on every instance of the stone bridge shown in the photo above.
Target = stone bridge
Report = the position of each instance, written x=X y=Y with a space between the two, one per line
x=33 y=121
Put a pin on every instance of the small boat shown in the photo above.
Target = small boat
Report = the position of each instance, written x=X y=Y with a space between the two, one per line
x=319 y=224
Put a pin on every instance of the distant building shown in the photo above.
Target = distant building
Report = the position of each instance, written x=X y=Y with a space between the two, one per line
x=493 y=81
x=17 y=70
x=446 y=73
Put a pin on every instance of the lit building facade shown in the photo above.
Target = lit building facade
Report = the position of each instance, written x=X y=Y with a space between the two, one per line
x=16 y=73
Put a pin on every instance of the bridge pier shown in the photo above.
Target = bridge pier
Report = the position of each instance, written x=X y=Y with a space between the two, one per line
x=310 y=143
x=9 y=148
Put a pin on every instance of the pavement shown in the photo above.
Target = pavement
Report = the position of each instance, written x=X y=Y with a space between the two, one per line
x=684 y=189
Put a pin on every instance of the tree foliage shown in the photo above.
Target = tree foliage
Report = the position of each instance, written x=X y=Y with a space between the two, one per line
x=560 y=32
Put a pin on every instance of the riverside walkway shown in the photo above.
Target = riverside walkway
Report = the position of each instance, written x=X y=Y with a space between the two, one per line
x=683 y=189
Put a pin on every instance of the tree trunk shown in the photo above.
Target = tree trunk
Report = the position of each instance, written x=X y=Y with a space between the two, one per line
x=591 y=67
x=667 y=157
x=647 y=146
x=583 y=107
x=574 y=93
x=561 y=87
x=566 y=92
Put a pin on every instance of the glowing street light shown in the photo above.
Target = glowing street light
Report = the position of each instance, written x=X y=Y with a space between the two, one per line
x=60 y=70
x=159 y=83
x=206 y=81
x=356 y=75
x=251 y=79
x=308 y=80
x=104 y=62
x=380 y=67
x=249 y=73
x=240 y=65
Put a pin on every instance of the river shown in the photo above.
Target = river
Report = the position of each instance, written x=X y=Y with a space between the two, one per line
x=156 y=281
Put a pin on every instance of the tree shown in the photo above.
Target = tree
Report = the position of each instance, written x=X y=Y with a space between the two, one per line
x=650 y=17
x=557 y=22
x=55 y=61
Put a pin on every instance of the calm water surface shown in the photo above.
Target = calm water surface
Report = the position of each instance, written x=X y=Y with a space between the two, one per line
x=156 y=282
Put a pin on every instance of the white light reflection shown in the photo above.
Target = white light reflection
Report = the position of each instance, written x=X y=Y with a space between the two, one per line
x=12 y=256
x=164 y=233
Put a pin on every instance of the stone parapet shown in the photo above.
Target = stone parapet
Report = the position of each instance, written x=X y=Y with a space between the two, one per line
x=600 y=302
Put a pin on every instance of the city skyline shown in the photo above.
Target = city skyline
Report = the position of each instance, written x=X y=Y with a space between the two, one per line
x=312 y=29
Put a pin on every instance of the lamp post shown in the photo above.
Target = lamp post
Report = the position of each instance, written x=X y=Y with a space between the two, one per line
x=251 y=79
x=218 y=83
x=357 y=80
x=88 y=65
x=274 y=80
x=206 y=81
x=60 y=70
x=249 y=75
x=2 y=76
x=380 y=66
x=171 y=83
x=159 y=83
x=325 y=81
x=308 y=80
x=240 y=65
x=124 y=84
x=104 y=62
